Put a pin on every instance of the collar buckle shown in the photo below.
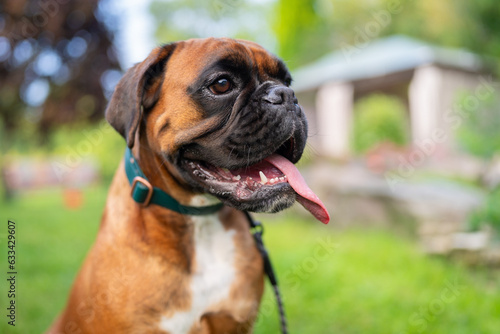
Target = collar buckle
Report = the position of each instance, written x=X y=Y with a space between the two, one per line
x=139 y=187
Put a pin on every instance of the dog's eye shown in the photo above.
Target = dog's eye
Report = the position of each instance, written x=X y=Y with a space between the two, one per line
x=220 y=86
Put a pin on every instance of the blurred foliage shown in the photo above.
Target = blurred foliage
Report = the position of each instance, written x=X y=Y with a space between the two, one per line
x=310 y=28
x=439 y=22
x=479 y=134
x=482 y=25
x=181 y=19
x=379 y=118
x=70 y=144
x=55 y=57
x=300 y=31
x=488 y=214
x=106 y=145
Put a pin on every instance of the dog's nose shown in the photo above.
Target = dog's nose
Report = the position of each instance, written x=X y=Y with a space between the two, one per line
x=280 y=95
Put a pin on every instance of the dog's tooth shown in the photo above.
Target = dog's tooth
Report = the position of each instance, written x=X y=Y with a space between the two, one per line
x=283 y=178
x=263 y=178
x=237 y=177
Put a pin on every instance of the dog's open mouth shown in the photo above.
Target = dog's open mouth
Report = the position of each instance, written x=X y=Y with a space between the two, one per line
x=273 y=177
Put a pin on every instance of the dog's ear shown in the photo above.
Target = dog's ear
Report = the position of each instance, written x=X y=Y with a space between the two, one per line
x=138 y=89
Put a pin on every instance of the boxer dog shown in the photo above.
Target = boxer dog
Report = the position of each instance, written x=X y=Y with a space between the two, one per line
x=208 y=121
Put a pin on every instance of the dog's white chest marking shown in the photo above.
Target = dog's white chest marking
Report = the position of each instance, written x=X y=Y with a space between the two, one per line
x=214 y=273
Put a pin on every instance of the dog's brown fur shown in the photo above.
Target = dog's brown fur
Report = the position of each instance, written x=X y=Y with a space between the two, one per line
x=142 y=262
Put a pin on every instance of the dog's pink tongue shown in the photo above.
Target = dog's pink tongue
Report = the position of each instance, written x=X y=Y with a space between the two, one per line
x=306 y=197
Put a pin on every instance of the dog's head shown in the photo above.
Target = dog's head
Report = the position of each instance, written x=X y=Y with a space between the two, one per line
x=221 y=118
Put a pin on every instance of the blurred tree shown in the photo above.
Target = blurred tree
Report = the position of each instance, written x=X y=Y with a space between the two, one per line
x=55 y=60
x=488 y=213
x=440 y=22
x=300 y=31
x=297 y=23
x=184 y=19
x=480 y=134
x=307 y=29
x=481 y=25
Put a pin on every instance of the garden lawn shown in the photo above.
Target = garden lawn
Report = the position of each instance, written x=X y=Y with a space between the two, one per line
x=332 y=282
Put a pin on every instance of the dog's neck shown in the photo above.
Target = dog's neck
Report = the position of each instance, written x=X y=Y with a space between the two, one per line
x=152 y=228
x=163 y=175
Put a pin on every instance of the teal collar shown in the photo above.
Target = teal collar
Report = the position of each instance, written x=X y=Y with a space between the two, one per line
x=144 y=193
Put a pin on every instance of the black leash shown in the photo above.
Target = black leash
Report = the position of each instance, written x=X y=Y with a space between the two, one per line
x=257 y=230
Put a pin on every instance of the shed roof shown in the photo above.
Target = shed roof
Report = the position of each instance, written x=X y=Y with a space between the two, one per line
x=381 y=57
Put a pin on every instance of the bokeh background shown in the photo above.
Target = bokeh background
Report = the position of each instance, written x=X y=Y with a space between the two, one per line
x=402 y=101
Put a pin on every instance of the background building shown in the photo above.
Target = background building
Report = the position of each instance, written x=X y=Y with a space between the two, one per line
x=428 y=79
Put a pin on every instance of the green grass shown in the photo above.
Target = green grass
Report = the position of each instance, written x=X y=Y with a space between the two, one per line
x=332 y=282
x=51 y=242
